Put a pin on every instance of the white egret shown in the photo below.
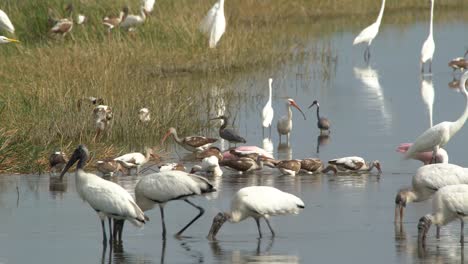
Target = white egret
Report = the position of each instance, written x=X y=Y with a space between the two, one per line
x=428 y=48
x=214 y=23
x=267 y=112
x=5 y=22
x=4 y=40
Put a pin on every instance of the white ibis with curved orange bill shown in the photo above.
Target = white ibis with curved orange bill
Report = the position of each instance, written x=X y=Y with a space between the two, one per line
x=192 y=143
x=257 y=202
x=284 y=125
x=322 y=122
x=227 y=133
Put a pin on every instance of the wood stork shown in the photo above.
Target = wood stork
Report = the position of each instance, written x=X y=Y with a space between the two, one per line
x=428 y=47
x=211 y=151
x=57 y=161
x=267 y=112
x=257 y=202
x=369 y=33
x=107 y=198
x=227 y=133
x=130 y=21
x=162 y=187
x=62 y=27
x=102 y=115
x=109 y=166
x=354 y=164
x=449 y=203
x=459 y=63
x=243 y=164
x=425 y=157
x=214 y=23
x=284 y=125
x=5 y=22
x=208 y=167
x=144 y=115
x=4 y=40
x=322 y=122
x=136 y=159
x=191 y=143
x=438 y=135
x=427 y=181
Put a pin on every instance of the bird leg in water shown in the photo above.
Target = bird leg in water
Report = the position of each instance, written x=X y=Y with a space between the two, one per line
x=271 y=229
x=462 y=236
x=111 y=237
x=437 y=231
x=258 y=227
x=161 y=209
x=202 y=211
x=104 y=237
x=430 y=66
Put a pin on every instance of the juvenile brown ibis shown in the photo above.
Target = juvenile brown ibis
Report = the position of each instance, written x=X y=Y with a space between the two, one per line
x=243 y=164
x=354 y=164
x=227 y=133
x=322 y=122
x=191 y=143
x=109 y=166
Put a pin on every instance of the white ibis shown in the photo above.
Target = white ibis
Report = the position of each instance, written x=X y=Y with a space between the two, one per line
x=148 y=5
x=211 y=151
x=227 y=133
x=242 y=164
x=322 y=122
x=130 y=21
x=368 y=34
x=144 y=115
x=191 y=143
x=428 y=47
x=425 y=157
x=5 y=40
x=112 y=22
x=63 y=26
x=163 y=187
x=449 y=203
x=459 y=63
x=214 y=23
x=136 y=159
x=109 y=166
x=57 y=161
x=426 y=182
x=284 y=125
x=5 y=22
x=354 y=164
x=438 y=135
x=208 y=167
x=267 y=112
x=107 y=198
x=257 y=202
x=102 y=115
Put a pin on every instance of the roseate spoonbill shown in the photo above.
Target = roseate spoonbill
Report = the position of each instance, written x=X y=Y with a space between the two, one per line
x=227 y=133
x=284 y=125
x=449 y=203
x=110 y=166
x=192 y=143
x=354 y=164
x=144 y=115
x=427 y=181
x=267 y=112
x=243 y=164
x=136 y=159
x=322 y=122
x=257 y=202
x=5 y=22
x=246 y=150
x=369 y=33
x=62 y=27
x=428 y=48
x=130 y=21
x=425 y=157
x=438 y=135
x=459 y=63
x=107 y=198
x=214 y=23
x=57 y=161
x=4 y=40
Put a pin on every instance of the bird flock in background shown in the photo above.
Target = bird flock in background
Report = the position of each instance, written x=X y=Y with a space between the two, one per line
x=446 y=183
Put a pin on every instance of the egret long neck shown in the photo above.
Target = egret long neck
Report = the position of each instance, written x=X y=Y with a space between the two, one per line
x=221 y=4
x=269 y=97
x=432 y=17
x=457 y=125
x=379 y=18
x=289 y=112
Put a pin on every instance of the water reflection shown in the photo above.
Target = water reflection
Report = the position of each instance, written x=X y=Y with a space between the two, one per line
x=57 y=187
x=267 y=145
x=370 y=78
x=427 y=95
x=322 y=140
x=284 y=151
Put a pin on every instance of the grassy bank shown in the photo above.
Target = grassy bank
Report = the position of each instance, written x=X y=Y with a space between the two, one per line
x=166 y=66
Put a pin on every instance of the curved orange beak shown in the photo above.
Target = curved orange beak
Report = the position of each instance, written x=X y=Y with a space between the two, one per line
x=298 y=108
x=165 y=137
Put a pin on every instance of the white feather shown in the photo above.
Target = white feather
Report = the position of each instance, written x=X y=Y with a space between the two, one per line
x=5 y=22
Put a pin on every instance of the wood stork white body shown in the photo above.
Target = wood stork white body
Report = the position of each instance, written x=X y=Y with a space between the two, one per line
x=267 y=112
x=354 y=164
x=438 y=135
x=5 y=22
x=284 y=124
x=107 y=198
x=136 y=159
x=214 y=23
x=428 y=47
x=449 y=203
x=257 y=202
x=426 y=182
x=163 y=187
x=130 y=21
x=369 y=33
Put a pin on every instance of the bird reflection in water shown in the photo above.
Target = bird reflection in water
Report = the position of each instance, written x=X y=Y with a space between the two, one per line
x=322 y=140
x=455 y=84
x=267 y=145
x=57 y=187
x=284 y=151
x=427 y=95
x=116 y=254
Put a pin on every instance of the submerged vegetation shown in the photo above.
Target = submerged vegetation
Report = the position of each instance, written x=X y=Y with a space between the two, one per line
x=165 y=65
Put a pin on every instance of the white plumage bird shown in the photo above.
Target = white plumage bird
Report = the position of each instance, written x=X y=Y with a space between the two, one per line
x=136 y=159
x=257 y=202
x=438 y=135
x=426 y=182
x=107 y=198
x=428 y=47
x=267 y=112
x=5 y=22
x=369 y=33
x=449 y=203
x=148 y=5
x=130 y=21
x=144 y=115
x=4 y=40
x=209 y=167
x=284 y=124
x=214 y=23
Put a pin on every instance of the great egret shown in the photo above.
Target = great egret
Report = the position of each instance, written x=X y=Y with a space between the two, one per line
x=267 y=112
x=369 y=33
x=4 y=40
x=322 y=122
x=214 y=23
x=428 y=47
x=5 y=22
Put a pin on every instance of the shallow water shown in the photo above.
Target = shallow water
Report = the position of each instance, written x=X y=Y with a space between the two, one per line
x=372 y=109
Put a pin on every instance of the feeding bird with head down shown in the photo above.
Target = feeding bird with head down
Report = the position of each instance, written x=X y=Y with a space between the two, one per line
x=354 y=164
x=191 y=143
x=109 y=166
x=284 y=124
x=136 y=159
x=243 y=164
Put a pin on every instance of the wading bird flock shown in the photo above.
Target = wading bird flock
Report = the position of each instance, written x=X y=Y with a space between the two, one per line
x=447 y=183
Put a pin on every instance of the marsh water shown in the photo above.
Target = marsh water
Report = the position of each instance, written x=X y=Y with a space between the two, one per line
x=372 y=108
